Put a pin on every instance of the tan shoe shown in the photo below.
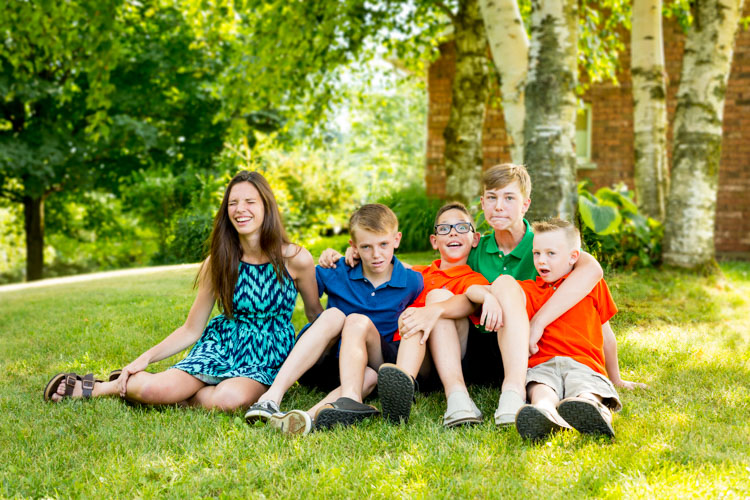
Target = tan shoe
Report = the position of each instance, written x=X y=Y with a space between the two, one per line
x=533 y=422
x=461 y=410
x=507 y=407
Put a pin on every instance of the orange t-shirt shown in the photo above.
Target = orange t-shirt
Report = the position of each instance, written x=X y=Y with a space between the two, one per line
x=457 y=280
x=576 y=334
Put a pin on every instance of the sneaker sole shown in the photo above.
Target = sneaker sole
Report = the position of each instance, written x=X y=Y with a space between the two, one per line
x=291 y=423
x=396 y=390
x=585 y=418
x=533 y=424
x=257 y=416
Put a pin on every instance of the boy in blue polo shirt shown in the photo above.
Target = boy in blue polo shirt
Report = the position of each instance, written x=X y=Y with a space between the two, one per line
x=364 y=303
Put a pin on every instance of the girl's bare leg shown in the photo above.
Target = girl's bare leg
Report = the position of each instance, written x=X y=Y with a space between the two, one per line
x=228 y=394
x=167 y=387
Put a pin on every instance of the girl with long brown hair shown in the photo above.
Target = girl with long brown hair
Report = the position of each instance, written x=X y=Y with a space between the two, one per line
x=254 y=273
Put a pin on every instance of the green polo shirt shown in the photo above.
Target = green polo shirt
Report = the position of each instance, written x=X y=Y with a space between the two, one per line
x=490 y=262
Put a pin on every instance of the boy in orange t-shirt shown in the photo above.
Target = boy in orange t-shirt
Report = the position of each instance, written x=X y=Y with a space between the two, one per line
x=567 y=379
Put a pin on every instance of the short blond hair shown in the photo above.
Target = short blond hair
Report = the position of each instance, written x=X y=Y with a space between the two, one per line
x=499 y=176
x=569 y=230
x=373 y=217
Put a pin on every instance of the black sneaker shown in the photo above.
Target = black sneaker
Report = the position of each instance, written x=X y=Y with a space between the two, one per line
x=344 y=411
x=261 y=411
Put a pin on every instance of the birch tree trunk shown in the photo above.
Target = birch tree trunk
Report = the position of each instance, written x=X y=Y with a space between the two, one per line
x=470 y=90
x=549 y=129
x=509 y=45
x=649 y=108
x=691 y=210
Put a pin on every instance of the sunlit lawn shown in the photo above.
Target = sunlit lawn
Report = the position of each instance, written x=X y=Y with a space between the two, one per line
x=688 y=435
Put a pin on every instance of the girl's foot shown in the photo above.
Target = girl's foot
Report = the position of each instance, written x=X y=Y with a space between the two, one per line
x=71 y=385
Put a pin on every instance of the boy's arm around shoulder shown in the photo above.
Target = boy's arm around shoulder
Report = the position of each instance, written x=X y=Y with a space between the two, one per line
x=611 y=362
x=585 y=275
x=302 y=269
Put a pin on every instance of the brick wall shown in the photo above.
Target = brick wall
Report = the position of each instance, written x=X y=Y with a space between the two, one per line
x=612 y=133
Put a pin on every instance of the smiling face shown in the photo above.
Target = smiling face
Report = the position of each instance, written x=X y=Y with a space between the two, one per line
x=554 y=255
x=374 y=249
x=454 y=247
x=245 y=209
x=505 y=207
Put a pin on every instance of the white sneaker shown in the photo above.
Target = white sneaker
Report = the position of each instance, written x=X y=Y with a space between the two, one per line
x=296 y=422
x=509 y=404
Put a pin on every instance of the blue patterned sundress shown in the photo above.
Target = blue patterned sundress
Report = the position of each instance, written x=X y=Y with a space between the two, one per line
x=255 y=343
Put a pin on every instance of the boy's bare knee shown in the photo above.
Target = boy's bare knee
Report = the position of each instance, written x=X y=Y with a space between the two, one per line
x=333 y=314
x=357 y=323
x=506 y=286
x=438 y=295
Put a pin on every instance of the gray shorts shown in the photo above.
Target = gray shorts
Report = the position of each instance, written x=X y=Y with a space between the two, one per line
x=570 y=378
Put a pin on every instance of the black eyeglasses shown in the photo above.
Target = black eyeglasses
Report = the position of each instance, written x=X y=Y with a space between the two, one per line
x=461 y=227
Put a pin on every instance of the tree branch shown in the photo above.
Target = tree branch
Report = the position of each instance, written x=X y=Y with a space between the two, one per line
x=441 y=5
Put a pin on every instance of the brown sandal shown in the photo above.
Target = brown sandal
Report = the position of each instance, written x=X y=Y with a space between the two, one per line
x=87 y=385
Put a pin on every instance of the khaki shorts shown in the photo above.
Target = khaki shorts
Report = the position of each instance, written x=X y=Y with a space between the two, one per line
x=569 y=378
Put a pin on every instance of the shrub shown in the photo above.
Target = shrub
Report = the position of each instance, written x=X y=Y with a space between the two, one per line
x=614 y=232
x=416 y=215
x=190 y=240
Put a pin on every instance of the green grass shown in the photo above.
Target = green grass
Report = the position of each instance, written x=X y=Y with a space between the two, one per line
x=686 y=336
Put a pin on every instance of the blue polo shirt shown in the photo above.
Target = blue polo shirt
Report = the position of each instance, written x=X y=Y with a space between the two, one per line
x=350 y=292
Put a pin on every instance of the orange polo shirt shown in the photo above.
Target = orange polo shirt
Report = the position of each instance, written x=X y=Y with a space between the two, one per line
x=456 y=280
x=576 y=334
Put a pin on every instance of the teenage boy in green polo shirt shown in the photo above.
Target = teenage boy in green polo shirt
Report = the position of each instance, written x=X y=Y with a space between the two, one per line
x=504 y=256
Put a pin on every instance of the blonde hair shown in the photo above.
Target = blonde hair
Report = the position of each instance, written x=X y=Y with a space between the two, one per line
x=374 y=217
x=453 y=205
x=569 y=230
x=499 y=176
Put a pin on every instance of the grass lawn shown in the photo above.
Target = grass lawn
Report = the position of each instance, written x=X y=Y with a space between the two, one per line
x=687 y=435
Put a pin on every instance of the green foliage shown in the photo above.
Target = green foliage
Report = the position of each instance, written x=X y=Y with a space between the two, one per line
x=416 y=216
x=614 y=232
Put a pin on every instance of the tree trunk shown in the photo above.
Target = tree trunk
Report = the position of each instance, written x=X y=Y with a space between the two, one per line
x=549 y=129
x=649 y=108
x=33 y=209
x=509 y=45
x=691 y=210
x=463 y=134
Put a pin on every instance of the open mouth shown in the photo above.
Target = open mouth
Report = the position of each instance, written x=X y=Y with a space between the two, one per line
x=454 y=244
x=242 y=220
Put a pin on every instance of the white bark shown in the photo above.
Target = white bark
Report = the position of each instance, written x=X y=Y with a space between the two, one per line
x=549 y=130
x=649 y=108
x=691 y=211
x=470 y=90
x=509 y=45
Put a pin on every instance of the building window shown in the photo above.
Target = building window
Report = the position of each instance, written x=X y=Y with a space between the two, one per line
x=583 y=136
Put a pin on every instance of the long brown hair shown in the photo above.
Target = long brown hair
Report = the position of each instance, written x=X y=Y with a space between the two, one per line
x=225 y=250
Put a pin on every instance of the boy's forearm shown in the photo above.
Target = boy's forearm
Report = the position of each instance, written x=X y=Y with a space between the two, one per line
x=456 y=307
x=584 y=277
x=477 y=293
x=611 y=363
